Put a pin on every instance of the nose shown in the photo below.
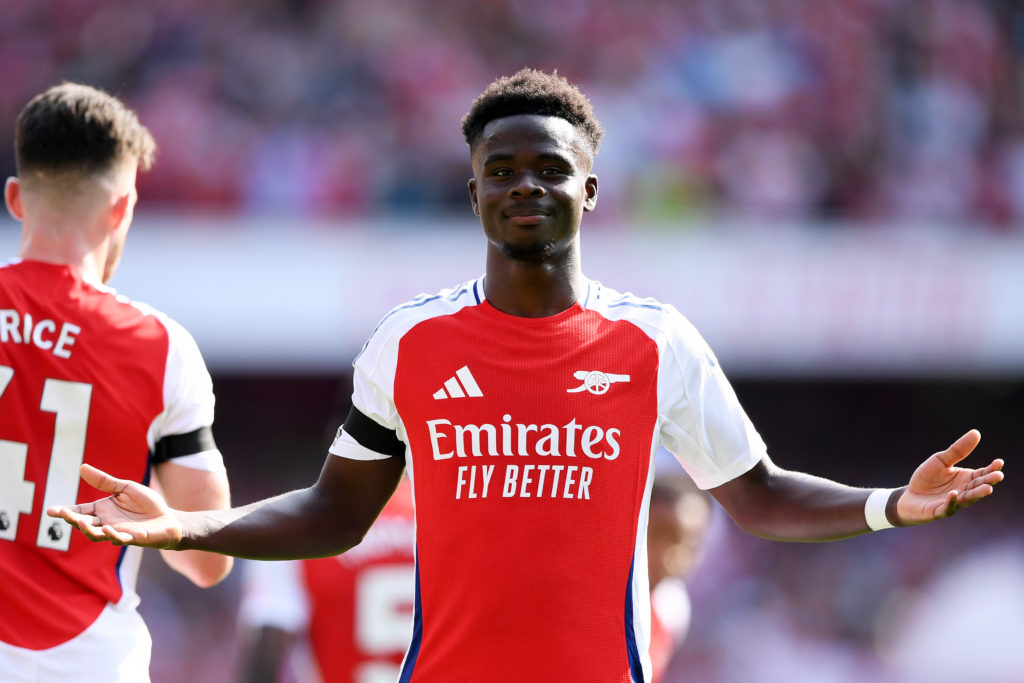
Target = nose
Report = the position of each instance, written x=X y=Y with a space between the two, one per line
x=526 y=185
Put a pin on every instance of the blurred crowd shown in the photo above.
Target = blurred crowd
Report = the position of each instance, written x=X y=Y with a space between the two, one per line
x=764 y=111
x=890 y=608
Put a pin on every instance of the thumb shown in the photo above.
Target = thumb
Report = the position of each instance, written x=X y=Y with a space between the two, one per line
x=99 y=479
x=960 y=449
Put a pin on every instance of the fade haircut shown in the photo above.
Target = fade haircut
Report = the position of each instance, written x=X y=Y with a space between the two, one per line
x=529 y=91
x=74 y=129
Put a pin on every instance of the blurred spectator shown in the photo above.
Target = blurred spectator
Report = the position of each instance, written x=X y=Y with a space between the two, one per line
x=884 y=111
x=680 y=514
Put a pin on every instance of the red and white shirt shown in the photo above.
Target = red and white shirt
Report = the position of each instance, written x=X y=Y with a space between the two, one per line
x=354 y=610
x=85 y=376
x=530 y=443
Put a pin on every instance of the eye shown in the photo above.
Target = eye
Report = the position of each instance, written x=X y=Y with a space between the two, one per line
x=503 y=172
x=554 y=171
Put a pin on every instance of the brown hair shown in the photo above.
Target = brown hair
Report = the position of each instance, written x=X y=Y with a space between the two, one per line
x=74 y=128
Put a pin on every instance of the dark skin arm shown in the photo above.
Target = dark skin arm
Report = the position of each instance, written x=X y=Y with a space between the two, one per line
x=325 y=519
x=778 y=504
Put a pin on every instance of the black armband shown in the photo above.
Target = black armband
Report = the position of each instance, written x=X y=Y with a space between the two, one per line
x=178 y=445
x=371 y=435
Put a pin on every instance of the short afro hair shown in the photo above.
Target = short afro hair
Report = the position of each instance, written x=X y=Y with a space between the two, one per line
x=529 y=91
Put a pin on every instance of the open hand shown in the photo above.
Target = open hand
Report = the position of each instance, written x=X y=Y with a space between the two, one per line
x=938 y=488
x=133 y=515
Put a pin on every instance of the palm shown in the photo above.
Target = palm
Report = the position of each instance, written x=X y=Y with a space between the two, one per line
x=938 y=488
x=134 y=514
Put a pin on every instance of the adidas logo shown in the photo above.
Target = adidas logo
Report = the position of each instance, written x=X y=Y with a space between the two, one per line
x=459 y=386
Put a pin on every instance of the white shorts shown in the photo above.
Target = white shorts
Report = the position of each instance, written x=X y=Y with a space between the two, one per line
x=114 y=649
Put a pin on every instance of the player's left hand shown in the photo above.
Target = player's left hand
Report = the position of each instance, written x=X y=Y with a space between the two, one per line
x=938 y=488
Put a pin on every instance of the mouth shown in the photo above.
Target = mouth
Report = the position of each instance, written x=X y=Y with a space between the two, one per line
x=533 y=219
x=525 y=216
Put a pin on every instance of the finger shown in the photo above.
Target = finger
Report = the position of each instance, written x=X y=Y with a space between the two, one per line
x=995 y=466
x=951 y=503
x=99 y=479
x=975 y=494
x=82 y=509
x=87 y=524
x=960 y=449
x=117 y=536
x=991 y=478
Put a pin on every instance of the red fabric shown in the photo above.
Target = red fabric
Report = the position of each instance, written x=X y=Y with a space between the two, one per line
x=523 y=580
x=49 y=595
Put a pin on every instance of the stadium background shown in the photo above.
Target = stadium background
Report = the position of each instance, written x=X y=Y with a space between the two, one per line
x=832 y=190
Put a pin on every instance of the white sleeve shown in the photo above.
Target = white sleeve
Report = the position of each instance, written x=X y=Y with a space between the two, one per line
x=273 y=595
x=702 y=422
x=373 y=380
x=188 y=398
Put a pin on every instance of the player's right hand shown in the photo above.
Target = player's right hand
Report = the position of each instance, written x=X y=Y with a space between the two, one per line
x=133 y=515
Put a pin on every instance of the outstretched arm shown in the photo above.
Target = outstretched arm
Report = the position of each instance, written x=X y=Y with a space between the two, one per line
x=325 y=519
x=779 y=504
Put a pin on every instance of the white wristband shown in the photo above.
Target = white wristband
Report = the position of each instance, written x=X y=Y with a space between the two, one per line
x=874 y=509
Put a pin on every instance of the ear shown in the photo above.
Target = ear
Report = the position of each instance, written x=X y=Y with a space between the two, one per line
x=12 y=197
x=590 y=187
x=122 y=208
x=472 y=196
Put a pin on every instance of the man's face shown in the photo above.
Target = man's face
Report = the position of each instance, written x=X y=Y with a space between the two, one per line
x=531 y=185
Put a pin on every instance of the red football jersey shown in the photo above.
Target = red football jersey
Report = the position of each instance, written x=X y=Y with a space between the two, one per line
x=85 y=376
x=355 y=609
x=530 y=444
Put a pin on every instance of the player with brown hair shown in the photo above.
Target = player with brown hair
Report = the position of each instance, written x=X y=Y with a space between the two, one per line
x=87 y=376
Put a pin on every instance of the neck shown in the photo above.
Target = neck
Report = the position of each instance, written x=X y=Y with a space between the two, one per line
x=53 y=242
x=533 y=289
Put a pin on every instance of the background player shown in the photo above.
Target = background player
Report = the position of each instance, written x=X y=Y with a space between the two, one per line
x=477 y=377
x=352 y=613
x=679 y=520
x=87 y=376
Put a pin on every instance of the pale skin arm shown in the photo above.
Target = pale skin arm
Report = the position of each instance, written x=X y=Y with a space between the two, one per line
x=186 y=488
x=325 y=519
x=778 y=504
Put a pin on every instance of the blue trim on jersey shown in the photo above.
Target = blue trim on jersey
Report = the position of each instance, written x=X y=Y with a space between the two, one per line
x=636 y=671
x=635 y=304
x=476 y=292
x=455 y=295
x=586 y=297
x=417 y=633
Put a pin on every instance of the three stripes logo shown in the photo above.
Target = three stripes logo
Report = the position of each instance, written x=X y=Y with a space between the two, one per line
x=459 y=386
